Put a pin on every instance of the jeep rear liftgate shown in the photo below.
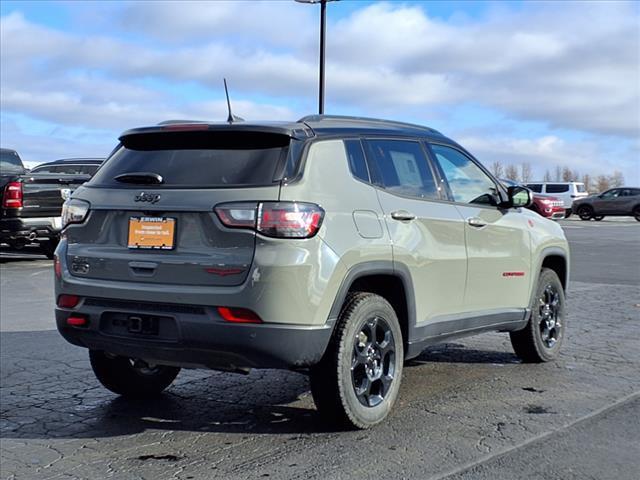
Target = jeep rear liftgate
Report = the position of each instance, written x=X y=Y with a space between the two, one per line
x=151 y=214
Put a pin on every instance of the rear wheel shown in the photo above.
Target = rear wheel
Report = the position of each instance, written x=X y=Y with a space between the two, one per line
x=585 y=212
x=48 y=248
x=636 y=213
x=358 y=380
x=541 y=339
x=567 y=213
x=131 y=377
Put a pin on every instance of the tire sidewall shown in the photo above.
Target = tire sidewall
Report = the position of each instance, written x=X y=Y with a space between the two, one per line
x=359 y=414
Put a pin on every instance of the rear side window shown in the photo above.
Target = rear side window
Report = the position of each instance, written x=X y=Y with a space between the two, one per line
x=535 y=187
x=357 y=162
x=581 y=188
x=68 y=169
x=401 y=166
x=557 y=188
x=48 y=169
x=201 y=159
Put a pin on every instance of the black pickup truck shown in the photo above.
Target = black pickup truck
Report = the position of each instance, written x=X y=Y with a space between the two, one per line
x=31 y=202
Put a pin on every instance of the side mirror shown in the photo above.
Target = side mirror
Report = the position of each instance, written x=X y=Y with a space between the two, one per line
x=519 y=196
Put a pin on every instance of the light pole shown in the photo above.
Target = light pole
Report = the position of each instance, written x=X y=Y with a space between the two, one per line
x=323 y=28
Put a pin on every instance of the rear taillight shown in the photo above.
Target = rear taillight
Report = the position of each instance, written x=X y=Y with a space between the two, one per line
x=68 y=301
x=238 y=315
x=273 y=219
x=74 y=211
x=12 y=197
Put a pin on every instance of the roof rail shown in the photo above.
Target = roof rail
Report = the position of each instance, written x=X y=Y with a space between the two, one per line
x=347 y=118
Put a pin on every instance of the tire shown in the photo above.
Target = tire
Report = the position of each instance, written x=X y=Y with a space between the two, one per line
x=567 y=213
x=636 y=213
x=49 y=248
x=585 y=212
x=378 y=363
x=129 y=377
x=541 y=339
x=598 y=218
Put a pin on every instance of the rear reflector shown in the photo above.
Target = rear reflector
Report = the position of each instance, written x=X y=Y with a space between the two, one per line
x=77 y=321
x=68 y=301
x=57 y=266
x=238 y=315
x=12 y=197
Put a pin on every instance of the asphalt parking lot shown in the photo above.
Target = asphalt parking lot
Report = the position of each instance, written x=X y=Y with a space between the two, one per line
x=467 y=409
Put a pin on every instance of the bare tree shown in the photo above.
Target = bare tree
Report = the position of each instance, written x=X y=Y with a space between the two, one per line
x=616 y=179
x=497 y=169
x=511 y=172
x=602 y=183
x=547 y=176
x=525 y=172
x=567 y=174
x=575 y=176
x=558 y=175
x=586 y=179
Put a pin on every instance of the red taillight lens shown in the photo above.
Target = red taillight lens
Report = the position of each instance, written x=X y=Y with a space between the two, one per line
x=68 y=301
x=289 y=219
x=273 y=219
x=12 y=197
x=77 y=321
x=238 y=315
x=57 y=266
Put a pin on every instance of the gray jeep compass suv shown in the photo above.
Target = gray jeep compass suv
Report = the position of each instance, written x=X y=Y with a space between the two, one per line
x=337 y=246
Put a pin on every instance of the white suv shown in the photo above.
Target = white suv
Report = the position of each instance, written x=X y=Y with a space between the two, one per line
x=568 y=192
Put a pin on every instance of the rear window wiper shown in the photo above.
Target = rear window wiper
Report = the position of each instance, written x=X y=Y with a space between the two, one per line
x=140 y=178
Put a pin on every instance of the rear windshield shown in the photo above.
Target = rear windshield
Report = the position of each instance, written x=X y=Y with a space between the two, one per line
x=10 y=163
x=198 y=159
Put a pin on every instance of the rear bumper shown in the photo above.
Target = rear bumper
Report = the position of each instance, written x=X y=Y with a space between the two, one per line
x=196 y=339
x=38 y=229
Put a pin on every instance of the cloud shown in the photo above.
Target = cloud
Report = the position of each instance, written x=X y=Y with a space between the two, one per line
x=570 y=67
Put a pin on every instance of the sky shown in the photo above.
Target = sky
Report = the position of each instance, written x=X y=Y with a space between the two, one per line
x=549 y=83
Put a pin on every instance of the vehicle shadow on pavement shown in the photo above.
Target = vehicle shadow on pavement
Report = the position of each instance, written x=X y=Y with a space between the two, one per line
x=458 y=353
x=49 y=391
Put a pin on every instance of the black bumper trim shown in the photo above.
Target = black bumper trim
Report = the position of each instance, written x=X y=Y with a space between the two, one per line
x=207 y=342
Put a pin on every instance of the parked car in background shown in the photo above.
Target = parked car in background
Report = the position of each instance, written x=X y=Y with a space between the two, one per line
x=545 y=205
x=31 y=202
x=336 y=246
x=623 y=201
x=70 y=166
x=565 y=191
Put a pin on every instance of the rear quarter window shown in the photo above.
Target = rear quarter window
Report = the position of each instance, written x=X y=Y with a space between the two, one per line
x=203 y=159
x=357 y=161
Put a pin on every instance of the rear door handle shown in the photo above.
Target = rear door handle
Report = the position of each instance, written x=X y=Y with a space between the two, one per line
x=476 y=222
x=403 y=215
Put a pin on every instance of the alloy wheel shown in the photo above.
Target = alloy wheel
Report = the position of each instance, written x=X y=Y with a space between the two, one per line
x=550 y=321
x=373 y=363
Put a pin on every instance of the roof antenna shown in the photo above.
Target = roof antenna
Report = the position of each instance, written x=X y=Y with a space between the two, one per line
x=231 y=118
